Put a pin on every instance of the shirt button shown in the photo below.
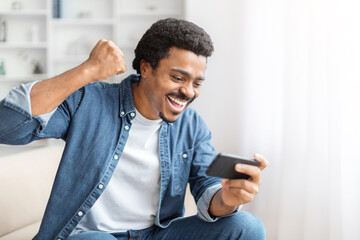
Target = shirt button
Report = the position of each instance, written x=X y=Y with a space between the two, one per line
x=127 y=127
x=101 y=186
x=80 y=213
x=184 y=155
x=122 y=113
x=132 y=114
x=116 y=157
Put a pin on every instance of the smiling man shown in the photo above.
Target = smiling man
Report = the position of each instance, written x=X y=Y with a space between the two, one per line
x=132 y=148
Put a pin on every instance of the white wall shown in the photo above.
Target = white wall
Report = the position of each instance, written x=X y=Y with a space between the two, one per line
x=219 y=98
x=242 y=87
x=297 y=75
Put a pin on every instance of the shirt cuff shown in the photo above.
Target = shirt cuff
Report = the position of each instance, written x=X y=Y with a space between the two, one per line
x=20 y=97
x=204 y=203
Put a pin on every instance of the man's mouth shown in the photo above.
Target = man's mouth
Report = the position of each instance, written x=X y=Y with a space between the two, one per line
x=176 y=103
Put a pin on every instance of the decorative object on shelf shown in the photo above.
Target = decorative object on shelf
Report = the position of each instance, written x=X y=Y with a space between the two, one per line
x=34 y=33
x=16 y=5
x=56 y=8
x=79 y=47
x=38 y=69
x=2 y=67
x=151 y=5
x=151 y=8
x=84 y=14
x=3 y=30
x=23 y=55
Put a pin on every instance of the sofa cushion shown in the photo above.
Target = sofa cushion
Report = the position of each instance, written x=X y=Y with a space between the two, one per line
x=24 y=233
x=25 y=182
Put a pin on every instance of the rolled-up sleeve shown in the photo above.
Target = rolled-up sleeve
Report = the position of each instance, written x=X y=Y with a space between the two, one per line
x=204 y=203
x=18 y=126
x=19 y=99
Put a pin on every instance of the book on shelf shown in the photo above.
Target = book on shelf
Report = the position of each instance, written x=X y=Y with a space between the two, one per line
x=56 y=8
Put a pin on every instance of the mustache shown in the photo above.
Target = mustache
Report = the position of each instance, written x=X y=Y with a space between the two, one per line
x=181 y=97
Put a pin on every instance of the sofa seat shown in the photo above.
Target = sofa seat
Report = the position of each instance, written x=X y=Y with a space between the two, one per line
x=24 y=233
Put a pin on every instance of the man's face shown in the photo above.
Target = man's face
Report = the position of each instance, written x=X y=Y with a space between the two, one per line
x=172 y=86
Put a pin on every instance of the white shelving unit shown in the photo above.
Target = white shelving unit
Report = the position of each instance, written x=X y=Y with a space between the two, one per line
x=58 y=44
x=27 y=42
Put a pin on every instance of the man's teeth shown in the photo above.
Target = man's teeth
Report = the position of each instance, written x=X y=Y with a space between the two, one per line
x=177 y=101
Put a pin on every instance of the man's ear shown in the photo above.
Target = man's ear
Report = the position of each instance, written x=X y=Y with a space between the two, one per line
x=145 y=68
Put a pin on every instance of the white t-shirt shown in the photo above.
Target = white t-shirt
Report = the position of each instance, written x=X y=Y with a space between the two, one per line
x=131 y=199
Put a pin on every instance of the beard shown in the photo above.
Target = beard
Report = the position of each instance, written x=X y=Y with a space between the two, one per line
x=161 y=115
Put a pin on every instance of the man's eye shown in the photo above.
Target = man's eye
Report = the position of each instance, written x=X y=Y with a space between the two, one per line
x=177 y=78
x=197 y=84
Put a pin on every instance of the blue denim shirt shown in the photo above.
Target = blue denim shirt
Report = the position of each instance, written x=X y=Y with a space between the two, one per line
x=95 y=122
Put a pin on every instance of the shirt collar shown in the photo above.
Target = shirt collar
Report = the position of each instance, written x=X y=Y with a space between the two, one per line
x=126 y=97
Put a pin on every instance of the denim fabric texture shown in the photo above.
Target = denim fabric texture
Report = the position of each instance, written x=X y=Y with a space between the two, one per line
x=95 y=122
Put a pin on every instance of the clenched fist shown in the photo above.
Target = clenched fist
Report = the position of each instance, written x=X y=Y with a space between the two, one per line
x=106 y=60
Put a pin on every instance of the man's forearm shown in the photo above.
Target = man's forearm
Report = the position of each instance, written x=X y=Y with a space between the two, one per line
x=47 y=95
x=105 y=60
x=217 y=206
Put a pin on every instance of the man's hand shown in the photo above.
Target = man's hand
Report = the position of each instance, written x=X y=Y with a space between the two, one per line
x=235 y=192
x=241 y=191
x=105 y=60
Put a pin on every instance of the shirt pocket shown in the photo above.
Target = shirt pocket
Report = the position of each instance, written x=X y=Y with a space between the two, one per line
x=181 y=170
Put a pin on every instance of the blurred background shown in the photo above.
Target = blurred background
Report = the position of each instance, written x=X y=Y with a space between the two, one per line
x=284 y=81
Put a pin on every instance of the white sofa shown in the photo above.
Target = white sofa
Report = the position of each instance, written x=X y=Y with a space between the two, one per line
x=26 y=178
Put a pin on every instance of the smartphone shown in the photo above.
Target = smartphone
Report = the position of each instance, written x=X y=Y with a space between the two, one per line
x=223 y=166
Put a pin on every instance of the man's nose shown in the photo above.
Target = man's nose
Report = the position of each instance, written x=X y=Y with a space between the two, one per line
x=188 y=90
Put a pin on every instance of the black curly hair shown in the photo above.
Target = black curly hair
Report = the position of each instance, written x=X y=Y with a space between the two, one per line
x=164 y=34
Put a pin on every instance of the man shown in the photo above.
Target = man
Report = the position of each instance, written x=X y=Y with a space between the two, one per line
x=131 y=148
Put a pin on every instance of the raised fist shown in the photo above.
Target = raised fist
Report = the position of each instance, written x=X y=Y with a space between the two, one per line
x=106 y=59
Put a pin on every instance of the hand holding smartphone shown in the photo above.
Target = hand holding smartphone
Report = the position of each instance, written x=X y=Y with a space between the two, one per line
x=223 y=166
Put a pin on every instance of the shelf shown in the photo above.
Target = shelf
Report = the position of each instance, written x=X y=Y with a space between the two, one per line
x=129 y=13
x=82 y=22
x=25 y=12
x=23 y=45
x=27 y=78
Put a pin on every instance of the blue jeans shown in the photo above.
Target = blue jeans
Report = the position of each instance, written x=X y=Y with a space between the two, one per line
x=242 y=225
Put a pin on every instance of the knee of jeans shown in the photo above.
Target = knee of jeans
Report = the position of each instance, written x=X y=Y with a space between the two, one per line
x=246 y=225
